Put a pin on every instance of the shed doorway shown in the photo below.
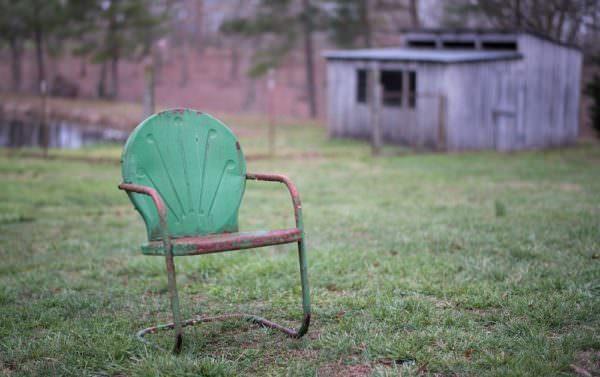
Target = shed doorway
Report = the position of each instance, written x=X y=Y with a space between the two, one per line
x=507 y=113
x=399 y=104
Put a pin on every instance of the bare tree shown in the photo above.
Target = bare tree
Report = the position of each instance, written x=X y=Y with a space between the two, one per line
x=561 y=20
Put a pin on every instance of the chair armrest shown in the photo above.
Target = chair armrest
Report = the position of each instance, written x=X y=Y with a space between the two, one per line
x=158 y=203
x=291 y=188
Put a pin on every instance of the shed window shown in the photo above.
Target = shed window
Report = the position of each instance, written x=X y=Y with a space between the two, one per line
x=422 y=44
x=399 y=88
x=361 y=86
x=466 y=45
x=396 y=92
x=499 y=45
x=391 y=83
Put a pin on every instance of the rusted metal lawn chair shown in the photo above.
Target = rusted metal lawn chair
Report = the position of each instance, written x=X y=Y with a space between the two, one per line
x=185 y=173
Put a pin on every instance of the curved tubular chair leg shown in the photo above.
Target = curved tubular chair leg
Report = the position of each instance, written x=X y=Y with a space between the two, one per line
x=178 y=325
x=174 y=297
x=263 y=322
x=305 y=289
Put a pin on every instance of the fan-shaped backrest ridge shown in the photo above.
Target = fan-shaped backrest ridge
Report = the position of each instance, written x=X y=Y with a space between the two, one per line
x=196 y=165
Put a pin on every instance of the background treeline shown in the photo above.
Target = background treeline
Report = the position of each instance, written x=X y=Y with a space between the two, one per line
x=106 y=32
x=101 y=30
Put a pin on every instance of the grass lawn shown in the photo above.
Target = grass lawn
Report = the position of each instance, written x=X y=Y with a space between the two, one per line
x=464 y=264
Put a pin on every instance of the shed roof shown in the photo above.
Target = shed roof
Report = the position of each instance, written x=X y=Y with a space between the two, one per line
x=487 y=32
x=421 y=55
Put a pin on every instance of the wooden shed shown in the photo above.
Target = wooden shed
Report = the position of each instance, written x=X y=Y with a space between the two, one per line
x=458 y=90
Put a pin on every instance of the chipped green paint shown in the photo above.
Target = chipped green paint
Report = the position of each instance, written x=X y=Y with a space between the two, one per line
x=195 y=164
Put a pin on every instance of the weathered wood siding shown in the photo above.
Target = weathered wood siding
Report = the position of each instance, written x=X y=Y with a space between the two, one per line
x=482 y=105
x=418 y=126
x=506 y=104
x=515 y=104
x=346 y=118
x=552 y=74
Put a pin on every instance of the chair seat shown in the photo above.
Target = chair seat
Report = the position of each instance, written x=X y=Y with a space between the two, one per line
x=223 y=242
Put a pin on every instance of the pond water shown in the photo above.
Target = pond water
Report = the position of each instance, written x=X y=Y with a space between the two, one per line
x=66 y=135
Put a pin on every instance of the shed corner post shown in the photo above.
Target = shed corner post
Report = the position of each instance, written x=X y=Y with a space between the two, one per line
x=375 y=107
x=442 y=144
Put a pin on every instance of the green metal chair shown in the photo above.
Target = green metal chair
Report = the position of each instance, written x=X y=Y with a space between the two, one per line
x=185 y=173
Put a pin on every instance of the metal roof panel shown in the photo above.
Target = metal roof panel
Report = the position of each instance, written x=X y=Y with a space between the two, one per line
x=421 y=55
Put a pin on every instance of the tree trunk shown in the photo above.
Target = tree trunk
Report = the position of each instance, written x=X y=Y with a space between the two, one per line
x=102 y=81
x=573 y=31
x=148 y=102
x=184 y=74
x=39 y=55
x=414 y=13
x=250 y=96
x=198 y=33
x=518 y=21
x=309 y=60
x=234 y=68
x=365 y=22
x=114 y=75
x=15 y=63
x=82 y=67
x=113 y=46
x=558 y=30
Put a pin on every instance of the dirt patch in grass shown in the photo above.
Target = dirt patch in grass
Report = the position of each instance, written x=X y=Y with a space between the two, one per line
x=570 y=187
x=338 y=370
x=8 y=368
x=303 y=354
x=587 y=364
x=519 y=185
x=525 y=185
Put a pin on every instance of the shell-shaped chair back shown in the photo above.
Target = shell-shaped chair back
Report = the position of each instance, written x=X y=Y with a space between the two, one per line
x=196 y=165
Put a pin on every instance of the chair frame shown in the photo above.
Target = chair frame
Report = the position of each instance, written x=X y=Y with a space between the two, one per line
x=178 y=324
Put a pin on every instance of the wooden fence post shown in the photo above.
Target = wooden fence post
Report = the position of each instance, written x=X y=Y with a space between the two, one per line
x=441 y=145
x=375 y=108
x=271 y=84
x=44 y=127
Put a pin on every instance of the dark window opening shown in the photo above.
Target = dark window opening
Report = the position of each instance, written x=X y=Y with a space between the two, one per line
x=395 y=91
x=412 y=89
x=361 y=86
x=422 y=44
x=391 y=82
x=459 y=44
x=499 y=45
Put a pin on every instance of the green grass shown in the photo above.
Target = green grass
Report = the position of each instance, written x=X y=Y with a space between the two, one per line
x=462 y=264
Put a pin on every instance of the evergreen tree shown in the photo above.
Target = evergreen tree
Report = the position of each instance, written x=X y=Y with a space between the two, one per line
x=281 y=25
x=349 y=23
x=38 y=20
x=14 y=33
x=123 y=28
